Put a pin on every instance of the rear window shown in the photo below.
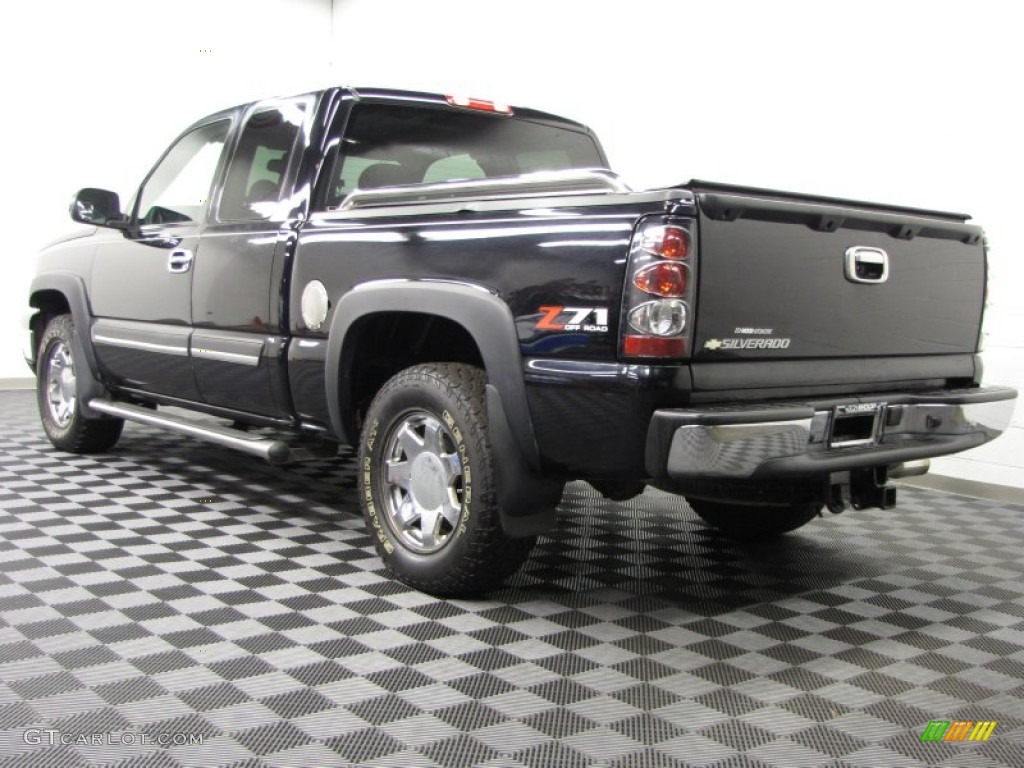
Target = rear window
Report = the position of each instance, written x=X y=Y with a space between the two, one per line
x=389 y=145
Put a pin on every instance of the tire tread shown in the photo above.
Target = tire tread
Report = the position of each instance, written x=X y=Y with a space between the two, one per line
x=82 y=435
x=490 y=555
x=750 y=522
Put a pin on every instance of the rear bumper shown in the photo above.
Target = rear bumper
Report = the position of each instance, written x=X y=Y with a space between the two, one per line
x=792 y=439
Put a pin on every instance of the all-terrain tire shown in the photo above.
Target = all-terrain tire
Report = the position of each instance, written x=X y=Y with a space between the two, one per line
x=427 y=483
x=751 y=522
x=57 y=395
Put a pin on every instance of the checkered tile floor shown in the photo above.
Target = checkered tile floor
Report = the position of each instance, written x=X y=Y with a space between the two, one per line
x=172 y=591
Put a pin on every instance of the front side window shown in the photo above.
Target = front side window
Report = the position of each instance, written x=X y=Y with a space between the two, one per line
x=390 y=145
x=255 y=180
x=179 y=186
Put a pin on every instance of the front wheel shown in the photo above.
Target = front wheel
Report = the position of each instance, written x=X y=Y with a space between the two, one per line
x=750 y=522
x=427 y=483
x=57 y=393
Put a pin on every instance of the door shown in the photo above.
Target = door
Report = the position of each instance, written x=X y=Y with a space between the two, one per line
x=141 y=284
x=238 y=342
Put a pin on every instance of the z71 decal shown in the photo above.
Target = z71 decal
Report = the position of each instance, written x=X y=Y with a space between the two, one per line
x=587 y=319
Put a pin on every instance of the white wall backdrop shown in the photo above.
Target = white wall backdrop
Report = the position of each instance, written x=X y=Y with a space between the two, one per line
x=94 y=91
x=910 y=102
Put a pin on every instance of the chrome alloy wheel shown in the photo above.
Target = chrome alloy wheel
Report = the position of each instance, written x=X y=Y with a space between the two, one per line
x=423 y=482
x=61 y=389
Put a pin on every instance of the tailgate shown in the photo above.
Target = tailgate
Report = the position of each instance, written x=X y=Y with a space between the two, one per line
x=789 y=277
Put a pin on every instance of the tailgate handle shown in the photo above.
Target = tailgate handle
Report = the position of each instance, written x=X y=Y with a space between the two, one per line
x=866 y=264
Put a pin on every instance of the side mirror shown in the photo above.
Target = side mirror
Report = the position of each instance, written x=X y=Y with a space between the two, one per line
x=99 y=208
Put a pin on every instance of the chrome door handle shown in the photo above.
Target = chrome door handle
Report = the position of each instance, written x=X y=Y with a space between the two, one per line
x=179 y=261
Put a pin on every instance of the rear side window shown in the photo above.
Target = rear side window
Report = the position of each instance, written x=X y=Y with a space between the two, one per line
x=254 y=184
x=390 y=145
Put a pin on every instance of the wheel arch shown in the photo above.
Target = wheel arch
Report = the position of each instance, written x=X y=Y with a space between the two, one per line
x=379 y=345
x=484 y=317
x=57 y=293
x=526 y=498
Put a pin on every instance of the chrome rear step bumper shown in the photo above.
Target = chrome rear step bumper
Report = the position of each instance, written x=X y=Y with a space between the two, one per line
x=787 y=439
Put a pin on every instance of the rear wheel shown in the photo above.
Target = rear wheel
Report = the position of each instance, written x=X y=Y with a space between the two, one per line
x=427 y=483
x=750 y=522
x=57 y=374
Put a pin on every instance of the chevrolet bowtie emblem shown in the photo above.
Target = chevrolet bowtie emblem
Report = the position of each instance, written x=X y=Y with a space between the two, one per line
x=712 y=344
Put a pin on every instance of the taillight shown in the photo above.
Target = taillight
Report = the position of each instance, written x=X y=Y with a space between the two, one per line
x=662 y=279
x=482 y=105
x=668 y=242
x=652 y=346
x=658 y=295
x=659 y=318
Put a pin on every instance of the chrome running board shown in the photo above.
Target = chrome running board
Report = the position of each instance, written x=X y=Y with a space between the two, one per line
x=269 y=449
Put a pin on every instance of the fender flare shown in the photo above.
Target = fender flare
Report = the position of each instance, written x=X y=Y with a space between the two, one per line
x=72 y=287
x=526 y=499
x=485 y=317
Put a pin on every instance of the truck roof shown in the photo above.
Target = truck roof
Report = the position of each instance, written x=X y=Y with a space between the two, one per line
x=390 y=94
x=372 y=94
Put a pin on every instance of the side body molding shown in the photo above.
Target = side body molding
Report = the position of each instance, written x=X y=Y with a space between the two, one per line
x=72 y=287
x=526 y=499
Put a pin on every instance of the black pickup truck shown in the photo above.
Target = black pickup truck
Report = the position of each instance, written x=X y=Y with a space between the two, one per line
x=465 y=291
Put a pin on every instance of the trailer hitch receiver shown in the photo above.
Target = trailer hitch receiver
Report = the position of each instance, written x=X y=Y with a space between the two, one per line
x=860 y=489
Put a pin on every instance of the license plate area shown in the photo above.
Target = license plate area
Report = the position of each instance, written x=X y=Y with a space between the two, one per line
x=859 y=424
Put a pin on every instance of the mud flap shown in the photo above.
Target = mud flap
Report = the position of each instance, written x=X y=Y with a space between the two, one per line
x=89 y=387
x=526 y=500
